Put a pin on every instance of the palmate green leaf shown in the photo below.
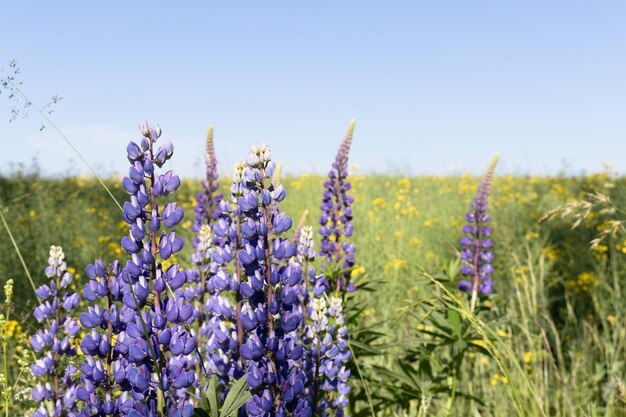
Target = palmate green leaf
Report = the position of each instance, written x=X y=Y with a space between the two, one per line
x=212 y=396
x=238 y=395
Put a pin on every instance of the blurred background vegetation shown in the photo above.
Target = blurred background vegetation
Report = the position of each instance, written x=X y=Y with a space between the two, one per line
x=556 y=318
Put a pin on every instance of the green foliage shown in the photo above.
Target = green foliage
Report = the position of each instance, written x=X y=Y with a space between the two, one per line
x=236 y=398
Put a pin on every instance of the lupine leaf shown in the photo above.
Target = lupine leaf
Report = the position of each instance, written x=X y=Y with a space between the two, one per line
x=236 y=398
x=212 y=397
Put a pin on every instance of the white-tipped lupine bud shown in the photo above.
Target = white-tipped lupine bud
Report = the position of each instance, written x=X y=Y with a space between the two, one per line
x=253 y=160
x=336 y=307
x=238 y=171
x=259 y=155
x=204 y=238
x=144 y=128
x=319 y=315
x=56 y=256
x=306 y=237
x=264 y=154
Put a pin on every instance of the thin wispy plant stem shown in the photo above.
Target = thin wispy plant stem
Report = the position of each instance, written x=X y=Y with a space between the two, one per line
x=17 y=249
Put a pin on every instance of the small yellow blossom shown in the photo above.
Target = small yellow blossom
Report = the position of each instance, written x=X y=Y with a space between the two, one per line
x=395 y=265
x=503 y=333
x=378 y=202
x=415 y=243
x=551 y=253
x=531 y=235
x=403 y=183
x=528 y=357
x=497 y=378
x=357 y=272
x=430 y=223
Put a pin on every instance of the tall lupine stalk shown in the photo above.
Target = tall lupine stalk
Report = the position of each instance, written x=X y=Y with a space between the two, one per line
x=106 y=347
x=330 y=351
x=219 y=326
x=270 y=317
x=221 y=329
x=476 y=253
x=198 y=294
x=303 y=237
x=325 y=339
x=155 y=318
x=207 y=201
x=207 y=212
x=236 y=192
x=56 y=393
x=336 y=219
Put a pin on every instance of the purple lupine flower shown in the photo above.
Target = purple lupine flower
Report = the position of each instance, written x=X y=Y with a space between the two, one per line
x=207 y=201
x=221 y=327
x=154 y=336
x=207 y=211
x=306 y=256
x=53 y=343
x=336 y=219
x=106 y=346
x=325 y=339
x=476 y=245
x=219 y=332
x=330 y=355
x=270 y=316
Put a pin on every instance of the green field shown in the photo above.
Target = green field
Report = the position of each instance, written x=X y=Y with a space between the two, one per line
x=550 y=340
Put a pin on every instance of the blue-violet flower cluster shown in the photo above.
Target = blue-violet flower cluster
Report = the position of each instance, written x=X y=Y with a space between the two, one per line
x=270 y=316
x=336 y=219
x=155 y=316
x=476 y=245
x=55 y=394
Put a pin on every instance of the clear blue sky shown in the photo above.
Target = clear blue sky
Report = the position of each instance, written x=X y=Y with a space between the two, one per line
x=432 y=84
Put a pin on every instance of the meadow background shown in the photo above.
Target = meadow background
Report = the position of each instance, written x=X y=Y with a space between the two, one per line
x=556 y=317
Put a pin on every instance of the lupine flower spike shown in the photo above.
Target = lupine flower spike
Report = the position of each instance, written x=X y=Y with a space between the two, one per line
x=476 y=251
x=220 y=327
x=336 y=219
x=207 y=211
x=157 y=372
x=207 y=201
x=270 y=315
x=56 y=392
x=330 y=352
x=106 y=347
x=325 y=340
